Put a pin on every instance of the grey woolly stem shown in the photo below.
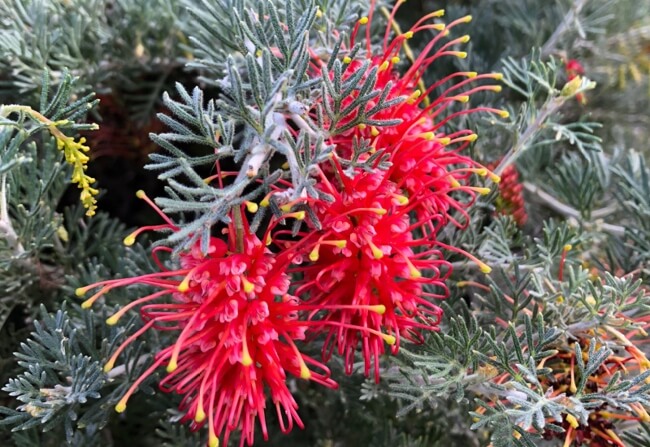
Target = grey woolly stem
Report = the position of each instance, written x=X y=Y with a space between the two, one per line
x=569 y=19
x=549 y=108
x=570 y=212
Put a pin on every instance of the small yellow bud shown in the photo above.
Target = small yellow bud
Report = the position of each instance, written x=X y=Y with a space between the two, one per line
x=173 y=364
x=313 y=256
x=362 y=126
x=484 y=267
x=120 y=407
x=471 y=74
x=213 y=441
x=389 y=339
x=466 y=19
x=567 y=247
x=504 y=113
x=462 y=98
x=378 y=308
x=80 y=291
x=108 y=366
x=363 y=20
x=248 y=286
x=439 y=26
x=464 y=39
x=305 y=373
x=140 y=194
x=384 y=66
x=246 y=359
x=251 y=206
x=347 y=60
x=373 y=131
x=572 y=87
x=572 y=420
x=395 y=60
x=408 y=34
x=460 y=54
x=129 y=240
x=200 y=415
x=112 y=321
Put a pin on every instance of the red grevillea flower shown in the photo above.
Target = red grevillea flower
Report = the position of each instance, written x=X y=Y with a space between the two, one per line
x=368 y=255
x=237 y=326
x=574 y=69
x=425 y=161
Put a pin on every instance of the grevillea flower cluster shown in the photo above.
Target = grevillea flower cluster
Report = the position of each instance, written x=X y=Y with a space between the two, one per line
x=364 y=271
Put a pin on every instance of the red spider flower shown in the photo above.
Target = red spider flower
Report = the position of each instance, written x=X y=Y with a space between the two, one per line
x=369 y=254
x=425 y=161
x=237 y=328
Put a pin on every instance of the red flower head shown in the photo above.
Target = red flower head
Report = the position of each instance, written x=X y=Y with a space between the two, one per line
x=367 y=256
x=237 y=325
x=425 y=160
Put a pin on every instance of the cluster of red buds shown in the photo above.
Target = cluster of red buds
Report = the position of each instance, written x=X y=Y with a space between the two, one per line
x=364 y=272
x=511 y=198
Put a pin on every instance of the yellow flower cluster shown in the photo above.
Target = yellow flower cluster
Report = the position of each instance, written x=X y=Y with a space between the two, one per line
x=75 y=155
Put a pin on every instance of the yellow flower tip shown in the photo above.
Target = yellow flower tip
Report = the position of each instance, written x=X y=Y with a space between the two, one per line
x=108 y=366
x=251 y=206
x=471 y=74
x=464 y=39
x=319 y=13
x=395 y=60
x=461 y=54
x=269 y=240
x=265 y=202
x=305 y=373
x=378 y=308
x=140 y=194
x=376 y=252
x=80 y=291
x=444 y=141
x=454 y=183
x=389 y=339
x=300 y=215
x=504 y=114
x=286 y=207
x=213 y=441
x=129 y=240
x=248 y=286
x=88 y=303
x=462 y=284
x=347 y=60
x=482 y=172
x=362 y=126
x=439 y=26
x=112 y=321
x=313 y=256
x=462 y=98
x=494 y=177
x=363 y=20
x=120 y=407
x=380 y=211
x=484 y=267
x=428 y=136
x=285 y=165
x=199 y=416
x=402 y=200
x=572 y=420
x=415 y=273
x=340 y=244
x=466 y=19
x=173 y=364
x=438 y=13
x=482 y=191
x=246 y=359
x=408 y=34
x=384 y=66
x=374 y=131
x=567 y=247
x=496 y=88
